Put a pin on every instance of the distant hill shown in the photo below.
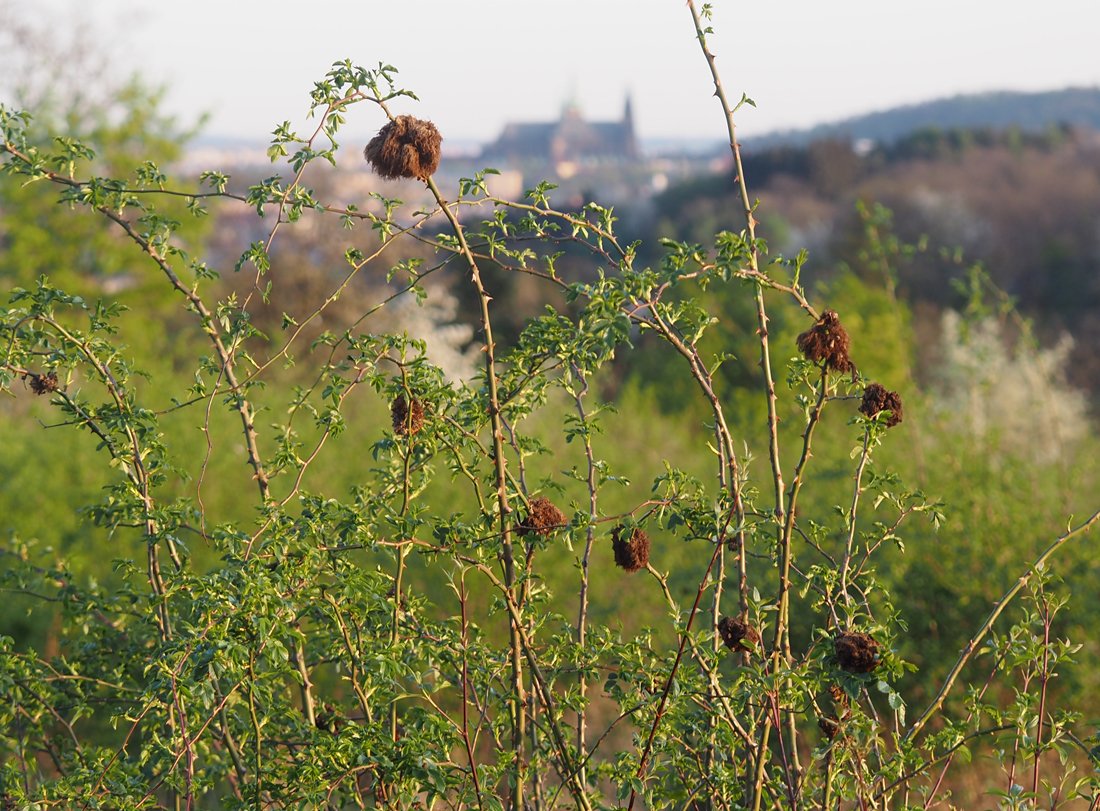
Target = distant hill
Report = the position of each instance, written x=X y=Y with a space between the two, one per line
x=1030 y=112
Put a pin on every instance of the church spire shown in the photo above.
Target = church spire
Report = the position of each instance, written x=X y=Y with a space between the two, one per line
x=628 y=111
x=630 y=141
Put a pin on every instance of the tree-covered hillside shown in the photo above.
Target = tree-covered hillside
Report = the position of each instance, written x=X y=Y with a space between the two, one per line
x=1030 y=112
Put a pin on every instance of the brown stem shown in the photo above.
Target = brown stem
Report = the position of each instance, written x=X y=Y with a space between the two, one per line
x=225 y=356
x=402 y=552
x=712 y=676
x=1044 y=679
x=946 y=755
x=643 y=761
x=947 y=764
x=590 y=534
x=209 y=323
x=465 y=692
x=134 y=469
x=782 y=538
x=496 y=425
x=857 y=491
x=567 y=768
x=998 y=609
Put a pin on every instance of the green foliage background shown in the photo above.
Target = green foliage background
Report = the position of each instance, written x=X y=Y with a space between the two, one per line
x=85 y=648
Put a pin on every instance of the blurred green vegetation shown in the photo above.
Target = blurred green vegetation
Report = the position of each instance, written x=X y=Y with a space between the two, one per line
x=1008 y=488
x=1003 y=503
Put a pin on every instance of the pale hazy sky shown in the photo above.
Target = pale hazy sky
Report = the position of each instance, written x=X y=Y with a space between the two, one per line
x=478 y=63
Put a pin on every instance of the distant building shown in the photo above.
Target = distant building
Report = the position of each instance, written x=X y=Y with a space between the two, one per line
x=567 y=143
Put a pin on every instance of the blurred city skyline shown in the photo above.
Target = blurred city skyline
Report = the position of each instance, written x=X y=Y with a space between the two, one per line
x=476 y=66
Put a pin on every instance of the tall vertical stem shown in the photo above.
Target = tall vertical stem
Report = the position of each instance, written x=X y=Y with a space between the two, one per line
x=1044 y=680
x=857 y=490
x=582 y=609
x=782 y=543
x=518 y=693
x=402 y=552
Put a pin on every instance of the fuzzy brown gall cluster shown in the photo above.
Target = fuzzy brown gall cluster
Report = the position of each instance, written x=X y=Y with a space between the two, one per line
x=407 y=420
x=405 y=147
x=542 y=518
x=738 y=635
x=877 y=398
x=856 y=652
x=631 y=548
x=827 y=341
x=43 y=384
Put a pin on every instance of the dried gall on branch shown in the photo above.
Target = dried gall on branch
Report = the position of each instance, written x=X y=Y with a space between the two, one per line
x=407 y=420
x=738 y=635
x=406 y=147
x=827 y=341
x=856 y=652
x=876 y=399
x=43 y=384
x=631 y=552
x=542 y=518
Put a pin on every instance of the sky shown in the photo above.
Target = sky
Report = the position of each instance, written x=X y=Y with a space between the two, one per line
x=477 y=64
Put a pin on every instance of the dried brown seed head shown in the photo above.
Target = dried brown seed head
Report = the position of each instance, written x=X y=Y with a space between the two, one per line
x=856 y=652
x=407 y=420
x=876 y=398
x=738 y=635
x=827 y=341
x=43 y=384
x=632 y=551
x=405 y=147
x=542 y=517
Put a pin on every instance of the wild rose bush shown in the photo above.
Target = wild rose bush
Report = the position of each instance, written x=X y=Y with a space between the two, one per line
x=394 y=645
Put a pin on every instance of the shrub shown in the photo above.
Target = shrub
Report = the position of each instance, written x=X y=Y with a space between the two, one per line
x=375 y=648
